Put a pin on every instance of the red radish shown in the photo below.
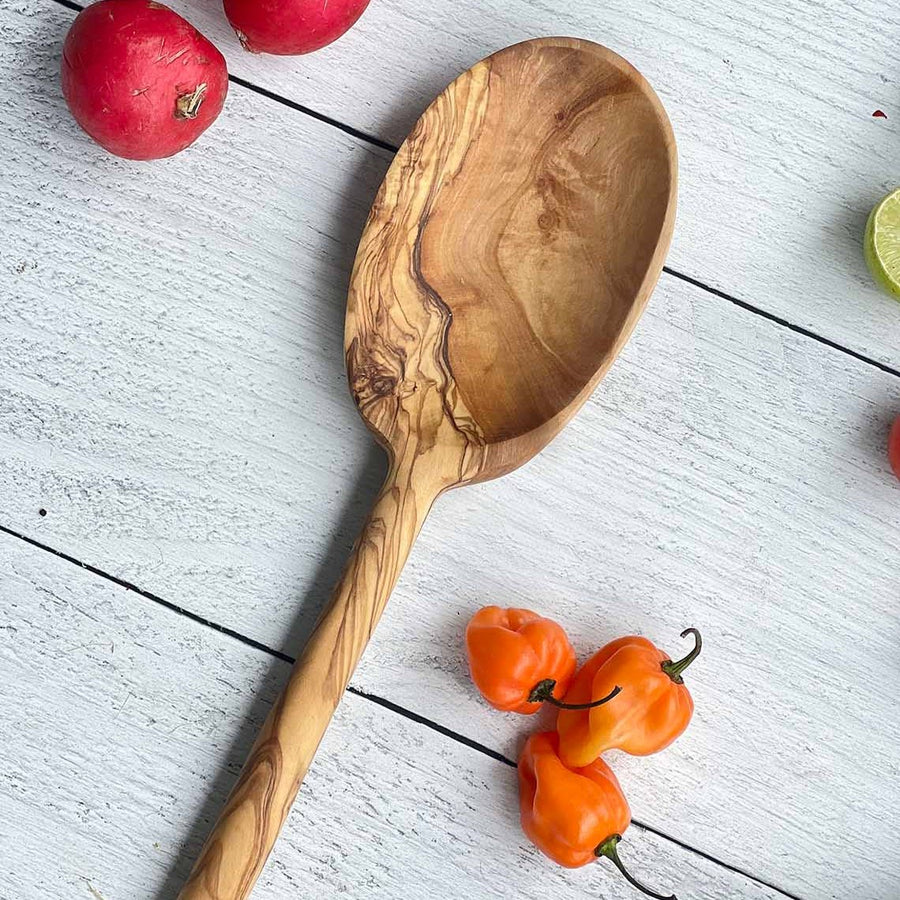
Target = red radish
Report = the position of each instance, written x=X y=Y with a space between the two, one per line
x=139 y=79
x=288 y=27
x=894 y=447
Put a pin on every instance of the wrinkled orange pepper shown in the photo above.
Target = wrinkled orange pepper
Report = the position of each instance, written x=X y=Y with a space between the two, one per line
x=519 y=659
x=654 y=709
x=574 y=816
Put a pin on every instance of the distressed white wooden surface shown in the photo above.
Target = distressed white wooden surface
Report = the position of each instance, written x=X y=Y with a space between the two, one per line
x=117 y=715
x=771 y=101
x=181 y=415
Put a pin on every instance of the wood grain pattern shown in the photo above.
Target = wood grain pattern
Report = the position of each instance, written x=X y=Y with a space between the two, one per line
x=508 y=255
x=106 y=757
x=531 y=207
x=184 y=421
x=771 y=102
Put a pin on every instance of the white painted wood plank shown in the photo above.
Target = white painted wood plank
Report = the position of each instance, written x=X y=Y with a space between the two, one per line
x=183 y=420
x=210 y=278
x=771 y=101
x=117 y=715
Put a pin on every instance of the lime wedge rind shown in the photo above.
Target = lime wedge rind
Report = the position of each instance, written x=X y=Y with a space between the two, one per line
x=882 y=243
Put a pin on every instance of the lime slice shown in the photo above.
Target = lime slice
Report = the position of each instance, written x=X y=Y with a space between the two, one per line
x=882 y=243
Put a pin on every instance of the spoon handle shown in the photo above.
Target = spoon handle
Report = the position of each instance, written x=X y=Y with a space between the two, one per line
x=237 y=849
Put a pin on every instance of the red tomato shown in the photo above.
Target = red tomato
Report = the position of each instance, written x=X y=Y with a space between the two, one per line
x=289 y=27
x=894 y=447
x=139 y=79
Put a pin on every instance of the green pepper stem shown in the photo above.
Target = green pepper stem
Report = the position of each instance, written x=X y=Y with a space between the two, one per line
x=542 y=692
x=674 y=669
x=608 y=849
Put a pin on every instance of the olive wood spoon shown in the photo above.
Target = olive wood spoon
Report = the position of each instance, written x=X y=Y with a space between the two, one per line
x=508 y=255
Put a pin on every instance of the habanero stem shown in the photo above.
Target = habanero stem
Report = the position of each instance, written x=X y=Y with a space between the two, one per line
x=674 y=669
x=542 y=692
x=608 y=849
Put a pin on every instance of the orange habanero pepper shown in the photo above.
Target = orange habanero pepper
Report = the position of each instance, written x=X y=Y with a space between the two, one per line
x=655 y=709
x=518 y=659
x=574 y=816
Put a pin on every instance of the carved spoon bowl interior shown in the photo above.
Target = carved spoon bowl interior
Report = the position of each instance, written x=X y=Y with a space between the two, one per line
x=509 y=253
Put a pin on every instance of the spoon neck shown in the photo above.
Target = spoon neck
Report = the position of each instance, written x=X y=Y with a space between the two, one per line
x=405 y=499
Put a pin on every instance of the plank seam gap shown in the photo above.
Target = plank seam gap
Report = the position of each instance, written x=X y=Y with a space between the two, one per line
x=386 y=145
x=69 y=4
x=778 y=320
x=358 y=692
x=320 y=117
x=167 y=604
x=702 y=853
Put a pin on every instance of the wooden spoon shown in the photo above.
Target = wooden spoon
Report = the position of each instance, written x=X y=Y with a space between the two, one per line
x=507 y=257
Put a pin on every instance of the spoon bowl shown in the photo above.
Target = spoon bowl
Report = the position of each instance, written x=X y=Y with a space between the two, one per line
x=508 y=255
